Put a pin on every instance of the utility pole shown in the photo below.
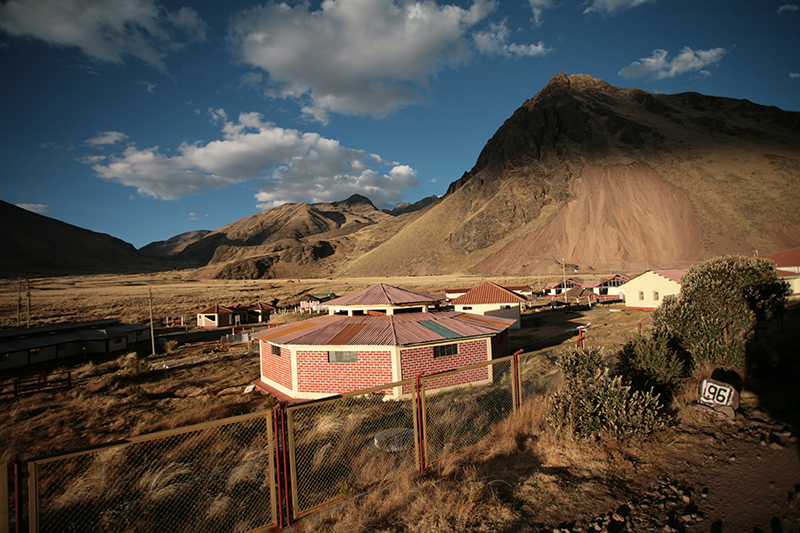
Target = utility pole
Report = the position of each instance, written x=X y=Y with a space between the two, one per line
x=564 y=273
x=28 y=289
x=19 y=301
x=152 y=336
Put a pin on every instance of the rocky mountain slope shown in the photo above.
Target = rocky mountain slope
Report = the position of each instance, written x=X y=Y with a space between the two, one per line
x=585 y=174
x=611 y=178
x=36 y=245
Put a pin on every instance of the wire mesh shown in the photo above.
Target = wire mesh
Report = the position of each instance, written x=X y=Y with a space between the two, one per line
x=347 y=445
x=538 y=376
x=461 y=406
x=217 y=476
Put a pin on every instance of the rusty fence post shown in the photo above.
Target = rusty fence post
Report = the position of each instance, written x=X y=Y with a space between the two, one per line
x=517 y=380
x=420 y=424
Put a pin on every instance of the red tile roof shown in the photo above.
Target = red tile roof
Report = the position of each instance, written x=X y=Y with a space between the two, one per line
x=216 y=310
x=489 y=293
x=786 y=258
x=387 y=330
x=674 y=274
x=383 y=294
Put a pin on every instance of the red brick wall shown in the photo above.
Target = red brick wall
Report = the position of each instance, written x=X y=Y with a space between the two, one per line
x=278 y=369
x=500 y=345
x=316 y=375
x=416 y=361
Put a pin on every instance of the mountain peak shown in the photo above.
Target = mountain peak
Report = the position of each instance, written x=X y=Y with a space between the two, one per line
x=356 y=199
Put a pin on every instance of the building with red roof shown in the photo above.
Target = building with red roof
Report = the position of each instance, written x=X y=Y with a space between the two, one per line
x=648 y=290
x=490 y=299
x=606 y=287
x=381 y=334
x=219 y=316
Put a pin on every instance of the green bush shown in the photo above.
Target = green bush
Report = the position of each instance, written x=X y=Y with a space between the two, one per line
x=655 y=362
x=720 y=302
x=593 y=401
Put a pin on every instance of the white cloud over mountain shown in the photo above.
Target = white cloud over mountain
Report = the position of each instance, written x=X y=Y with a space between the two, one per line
x=297 y=166
x=657 y=66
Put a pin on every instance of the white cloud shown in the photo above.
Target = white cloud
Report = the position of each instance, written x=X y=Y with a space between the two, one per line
x=149 y=87
x=538 y=6
x=105 y=138
x=352 y=56
x=657 y=66
x=297 y=166
x=104 y=30
x=611 y=6
x=36 y=208
x=788 y=8
x=794 y=75
x=494 y=41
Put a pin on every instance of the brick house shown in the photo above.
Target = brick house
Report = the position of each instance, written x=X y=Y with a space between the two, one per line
x=381 y=334
x=490 y=299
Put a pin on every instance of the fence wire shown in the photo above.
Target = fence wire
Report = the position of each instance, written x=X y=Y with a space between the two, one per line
x=538 y=376
x=344 y=446
x=213 y=477
x=461 y=406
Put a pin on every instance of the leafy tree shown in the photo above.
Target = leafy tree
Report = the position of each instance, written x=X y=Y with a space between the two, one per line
x=720 y=302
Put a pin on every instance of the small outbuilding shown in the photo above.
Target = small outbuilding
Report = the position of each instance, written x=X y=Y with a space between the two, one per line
x=379 y=335
x=555 y=288
x=606 y=287
x=648 y=290
x=490 y=299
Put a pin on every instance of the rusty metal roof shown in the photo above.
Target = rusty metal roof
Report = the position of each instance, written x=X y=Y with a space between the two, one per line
x=387 y=330
x=383 y=294
x=489 y=293
x=785 y=258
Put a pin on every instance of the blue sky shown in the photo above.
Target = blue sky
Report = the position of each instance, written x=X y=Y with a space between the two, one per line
x=145 y=119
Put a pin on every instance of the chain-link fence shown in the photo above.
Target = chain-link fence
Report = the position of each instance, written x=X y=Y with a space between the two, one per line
x=222 y=475
x=459 y=407
x=217 y=476
x=346 y=445
x=538 y=375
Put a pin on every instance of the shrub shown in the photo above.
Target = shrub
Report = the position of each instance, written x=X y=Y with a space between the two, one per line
x=653 y=362
x=593 y=401
x=719 y=304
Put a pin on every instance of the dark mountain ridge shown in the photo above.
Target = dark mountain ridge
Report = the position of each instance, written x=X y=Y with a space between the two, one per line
x=584 y=173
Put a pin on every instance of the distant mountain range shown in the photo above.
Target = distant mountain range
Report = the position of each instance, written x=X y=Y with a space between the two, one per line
x=586 y=174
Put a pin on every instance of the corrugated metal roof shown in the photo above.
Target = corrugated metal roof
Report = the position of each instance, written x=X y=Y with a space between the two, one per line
x=390 y=330
x=489 y=292
x=383 y=294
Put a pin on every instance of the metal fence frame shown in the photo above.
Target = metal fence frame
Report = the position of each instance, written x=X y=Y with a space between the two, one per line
x=423 y=395
x=290 y=411
x=34 y=464
x=282 y=434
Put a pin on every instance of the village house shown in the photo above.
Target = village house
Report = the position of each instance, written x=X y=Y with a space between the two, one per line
x=648 y=290
x=788 y=263
x=378 y=335
x=59 y=344
x=219 y=316
x=490 y=299
x=605 y=288
x=555 y=288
